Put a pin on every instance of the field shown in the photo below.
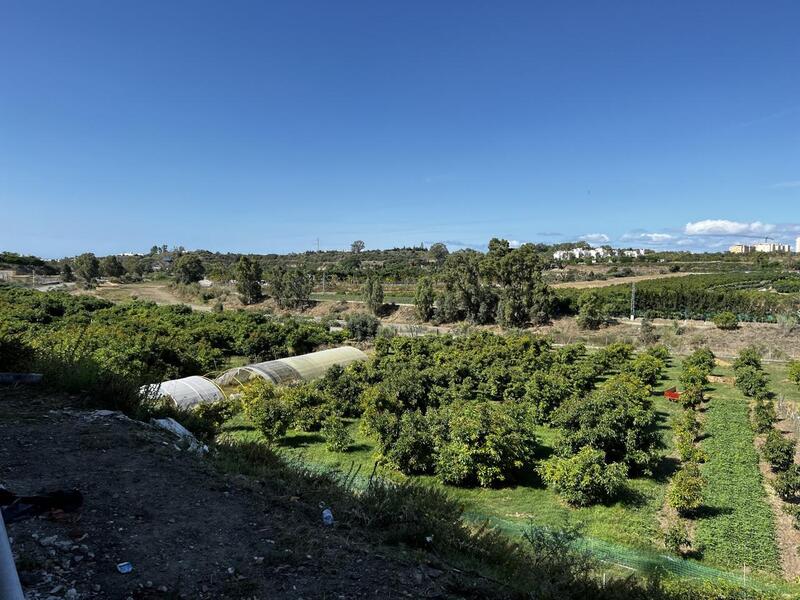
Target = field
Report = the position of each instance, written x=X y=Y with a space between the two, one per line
x=736 y=528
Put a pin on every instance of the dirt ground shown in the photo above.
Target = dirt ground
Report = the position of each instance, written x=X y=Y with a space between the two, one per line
x=189 y=531
x=617 y=280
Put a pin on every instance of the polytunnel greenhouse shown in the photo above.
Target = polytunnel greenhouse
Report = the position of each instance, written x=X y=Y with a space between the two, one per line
x=187 y=391
x=294 y=368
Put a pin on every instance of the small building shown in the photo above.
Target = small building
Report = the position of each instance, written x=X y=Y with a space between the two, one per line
x=741 y=249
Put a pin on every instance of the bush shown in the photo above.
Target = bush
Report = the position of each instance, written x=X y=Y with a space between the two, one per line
x=616 y=418
x=412 y=451
x=647 y=332
x=748 y=357
x=584 y=478
x=692 y=397
x=647 y=368
x=793 y=372
x=343 y=387
x=309 y=405
x=337 y=437
x=787 y=483
x=693 y=376
x=763 y=415
x=778 y=450
x=751 y=381
x=591 y=313
x=545 y=391
x=265 y=407
x=685 y=493
x=362 y=326
x=677 y=537
x=483 y=442
x=726 y=320
x=660 y=351
x=702 y=358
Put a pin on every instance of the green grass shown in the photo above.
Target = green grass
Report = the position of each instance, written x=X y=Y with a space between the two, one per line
x=736 y=529
x=737 y=526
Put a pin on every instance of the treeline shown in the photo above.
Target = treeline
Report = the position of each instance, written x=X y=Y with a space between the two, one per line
x=747 y=295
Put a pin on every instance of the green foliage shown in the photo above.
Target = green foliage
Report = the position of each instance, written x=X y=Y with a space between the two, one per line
x=685 y=492
x=660 y=351
x=337 y=437
x=111 y=267
x=362 y=326
x=584 y=478
x=787 y=483
x=413 y=449
x=188 y=269
x=87 y=267
x=763 y=415
x=291 y=288
x=424 y=298
x=647 y=332
x=591 y=312
x=343 y=386
x=748 y=357
x=778 y=450
x=793 y=372
x=647 y=368
x=266 y=408
x=751 y=381
x=617 y=418
x=692 y=396
x=372 y=293
x=484 y=443
x=726 y=320
x=308 y=405
x=676 y=538
x=66 y=273
x=248 y=280
x=545 y=391
x=693 y=377
x=702 y=359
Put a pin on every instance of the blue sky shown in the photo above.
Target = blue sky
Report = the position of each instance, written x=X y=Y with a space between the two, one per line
x=262 y=126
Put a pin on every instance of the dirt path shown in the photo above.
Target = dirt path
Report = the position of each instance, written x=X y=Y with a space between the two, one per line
x=189 y=531
x=152 y=291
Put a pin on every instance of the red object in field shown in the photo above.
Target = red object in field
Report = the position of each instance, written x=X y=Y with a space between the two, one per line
x=672 y=393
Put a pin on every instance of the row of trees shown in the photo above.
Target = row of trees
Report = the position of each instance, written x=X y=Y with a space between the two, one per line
x=505 y=286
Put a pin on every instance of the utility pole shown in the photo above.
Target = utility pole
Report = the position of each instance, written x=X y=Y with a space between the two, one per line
x=317 y=244
x=633 y=301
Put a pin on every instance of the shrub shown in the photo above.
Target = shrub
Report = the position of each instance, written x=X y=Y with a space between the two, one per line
x=693 y=376
x=748 y=357
x=413 y=449
x=751 y=381
x=343 y=386
x=692 y=397
x=584 y=478
x=778 y=450
x=763 y=415
x=660 y=351
x=677 y=537
x=647 y=368
x=617 y=418
x=787 y=483
x=309 y=405
x=362 y=326
x=647 y=332
x=686 y=421
x=726 y=320
x=485 y=443
x=545 y=391
x=337 y=437
x=265 y=407
x=685 y=493
x=793 y=372
x=591 y=313
x=703 y=358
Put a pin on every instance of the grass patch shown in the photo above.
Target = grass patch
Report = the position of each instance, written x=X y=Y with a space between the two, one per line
x=737 y=527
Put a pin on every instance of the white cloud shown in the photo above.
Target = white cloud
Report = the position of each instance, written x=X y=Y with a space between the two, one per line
x=647 y=237
x=725 y=227
x=595 y=238
x=514 y=243
x=786 y=185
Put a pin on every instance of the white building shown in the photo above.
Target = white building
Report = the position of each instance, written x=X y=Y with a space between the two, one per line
x=797 y=245
x=773 y=247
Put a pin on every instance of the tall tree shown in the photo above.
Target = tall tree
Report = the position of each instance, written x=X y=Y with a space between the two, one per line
x=372 y=292
x=424 y=299
x=438 y=252
x=111 y=267
x=66 y=273
x=87 y=266
x=248 y=280
x=357 y=246
x=189 y=269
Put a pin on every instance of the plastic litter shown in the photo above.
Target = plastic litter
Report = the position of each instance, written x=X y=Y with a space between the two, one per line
x=124 y=567
x=171 y=425
x=327 y=517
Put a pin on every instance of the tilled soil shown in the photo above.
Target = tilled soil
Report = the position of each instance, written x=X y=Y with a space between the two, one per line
x=188 y=531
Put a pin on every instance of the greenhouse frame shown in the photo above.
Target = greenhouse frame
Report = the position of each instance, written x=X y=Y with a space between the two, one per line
x=187 y=391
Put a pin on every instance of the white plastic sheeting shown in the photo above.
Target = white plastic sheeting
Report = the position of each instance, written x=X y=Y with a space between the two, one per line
x=186 y=392
x=294 y=368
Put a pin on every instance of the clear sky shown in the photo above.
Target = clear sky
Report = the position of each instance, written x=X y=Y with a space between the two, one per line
x=261 y=126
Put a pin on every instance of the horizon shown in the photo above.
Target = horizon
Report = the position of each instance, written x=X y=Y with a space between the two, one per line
x=260 y=129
